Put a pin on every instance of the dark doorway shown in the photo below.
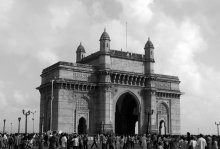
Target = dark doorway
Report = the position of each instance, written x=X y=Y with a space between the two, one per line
x=82 y=126
x=162 y=128
x=126 y=114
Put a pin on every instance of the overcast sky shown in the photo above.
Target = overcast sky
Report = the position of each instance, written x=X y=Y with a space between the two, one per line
x=34 y=34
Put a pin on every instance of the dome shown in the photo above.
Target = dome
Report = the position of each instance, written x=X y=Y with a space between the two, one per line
x=149 y=44
x=104 y=36
x=80 y=49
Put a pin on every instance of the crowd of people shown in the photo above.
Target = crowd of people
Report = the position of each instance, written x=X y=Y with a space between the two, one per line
x=107 y=141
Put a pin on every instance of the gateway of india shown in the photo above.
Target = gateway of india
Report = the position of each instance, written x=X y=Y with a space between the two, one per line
x=109 y=91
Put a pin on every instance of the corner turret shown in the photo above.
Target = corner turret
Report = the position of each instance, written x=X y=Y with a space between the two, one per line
x=149 y=57
x=80 y=52
x=104 y=41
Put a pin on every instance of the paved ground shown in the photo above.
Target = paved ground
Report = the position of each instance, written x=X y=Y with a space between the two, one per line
x=136 y=146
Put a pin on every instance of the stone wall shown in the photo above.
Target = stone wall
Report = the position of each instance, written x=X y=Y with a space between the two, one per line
x=175 y=116
x=127 y=65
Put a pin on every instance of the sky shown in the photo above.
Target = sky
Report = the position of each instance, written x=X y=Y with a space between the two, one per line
x=185 y=33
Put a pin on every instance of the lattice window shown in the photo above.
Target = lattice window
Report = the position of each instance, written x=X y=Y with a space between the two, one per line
x=81 y=104
x=161 y=109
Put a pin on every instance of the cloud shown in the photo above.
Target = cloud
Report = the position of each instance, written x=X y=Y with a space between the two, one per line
x=3 y=100
x=20 y=98
x=47 y=57
x=177 y=46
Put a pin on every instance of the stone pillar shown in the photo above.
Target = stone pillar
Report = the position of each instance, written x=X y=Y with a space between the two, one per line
x=105 y=106
x=150 y=105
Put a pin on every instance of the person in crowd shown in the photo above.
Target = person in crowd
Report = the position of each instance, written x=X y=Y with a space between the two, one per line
x=201 y=142
x=85 y=141
x=160 y=145
x=40 y=141
x=63 y=141
x=104 y=142
x=214 y=143
x=183 y=143
x=53 y=141
x=209 y=142
x=5 y=141
x=46 y=140
x=139 y=140
x=17 y=141
x=80 y=141
x=75 y=141
x=117 y=142
x=122 y=142
x=144 y=141
x=1 y=141
x=192 y=143
x=110 y=142
x=94 y=141
x=70 y=142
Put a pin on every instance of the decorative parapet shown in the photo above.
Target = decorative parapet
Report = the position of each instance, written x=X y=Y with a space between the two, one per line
x=66 y=64
x=126 y=55
x=114 y=53
x=167 y=78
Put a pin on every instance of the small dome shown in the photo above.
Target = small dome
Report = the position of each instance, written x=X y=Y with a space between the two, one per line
x=104 y=36
x=80 y=48
x=149 y=44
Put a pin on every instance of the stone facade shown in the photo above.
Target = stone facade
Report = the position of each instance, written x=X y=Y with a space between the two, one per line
x=91 y=95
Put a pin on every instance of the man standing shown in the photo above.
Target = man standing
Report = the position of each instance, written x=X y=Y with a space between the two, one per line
x=201 y=142
x=63 y=141
x=53 y=141
x=85 y=141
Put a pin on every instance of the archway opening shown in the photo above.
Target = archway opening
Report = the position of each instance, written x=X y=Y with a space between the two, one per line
x=126 y=114
x=162 y=128
x=82 y=126
x=163 y=118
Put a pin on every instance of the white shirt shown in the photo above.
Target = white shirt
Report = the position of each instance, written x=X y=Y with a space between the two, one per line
x=76 y=141
x=201 y=143
x=63 y=141
x=193 y=143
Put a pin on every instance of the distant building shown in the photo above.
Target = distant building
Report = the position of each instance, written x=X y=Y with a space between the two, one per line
x=109 y=91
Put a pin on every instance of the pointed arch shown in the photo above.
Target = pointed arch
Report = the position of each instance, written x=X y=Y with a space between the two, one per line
x=127 y=113
x=163 y=117
x=132 y=94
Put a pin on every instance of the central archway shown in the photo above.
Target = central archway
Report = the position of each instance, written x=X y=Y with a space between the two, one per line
x=126 y=114
x=82 y=126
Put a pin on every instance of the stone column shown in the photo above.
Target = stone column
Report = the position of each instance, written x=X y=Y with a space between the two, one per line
x=105 y=106
x=151 y=105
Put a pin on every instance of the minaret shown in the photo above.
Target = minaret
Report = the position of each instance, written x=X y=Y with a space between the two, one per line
x=104 y=41
x=104 y=83
x=80 y=52
x=149 y=57
x=150 y=98
x=104 y=58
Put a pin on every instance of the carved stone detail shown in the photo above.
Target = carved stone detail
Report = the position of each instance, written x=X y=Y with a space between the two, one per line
x=163 y=85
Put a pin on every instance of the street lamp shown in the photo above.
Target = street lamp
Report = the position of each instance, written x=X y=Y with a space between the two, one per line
x=33 y=119
x=4 y=126
x=11 y=128
x=42 y=125
x=26 y=115
x=19 y=119
x=149 y=112
x=217 y=124
x=102 y=127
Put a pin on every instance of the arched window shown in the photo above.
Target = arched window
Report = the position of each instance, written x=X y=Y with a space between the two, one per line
x=161 y=109
x=81 y=104
x=162 y=118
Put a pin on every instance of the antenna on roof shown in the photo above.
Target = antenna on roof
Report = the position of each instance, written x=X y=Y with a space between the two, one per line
x=126 y=35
